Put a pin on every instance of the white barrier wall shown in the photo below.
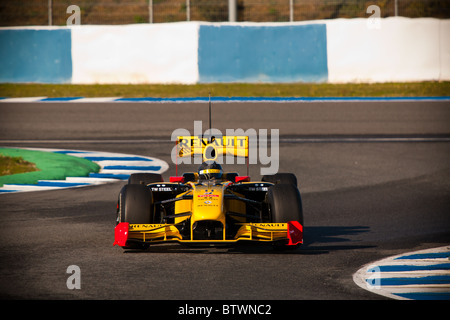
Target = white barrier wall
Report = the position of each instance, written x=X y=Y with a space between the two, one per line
x=400 y=49
x=334 y=51
x=444 y=32
x=140 y=53
x=396 y=49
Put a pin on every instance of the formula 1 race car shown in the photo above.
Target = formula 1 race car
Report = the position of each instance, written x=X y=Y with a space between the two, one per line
x=209 y=207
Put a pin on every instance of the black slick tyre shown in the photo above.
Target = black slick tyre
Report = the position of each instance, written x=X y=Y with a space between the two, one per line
x=135 y=207
x=281 y=178
x=135 y=204
x=285 y=204
x=144 y=178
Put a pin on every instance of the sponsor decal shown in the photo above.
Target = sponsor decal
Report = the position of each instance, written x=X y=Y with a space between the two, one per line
x=145 y=226
x=269 y=225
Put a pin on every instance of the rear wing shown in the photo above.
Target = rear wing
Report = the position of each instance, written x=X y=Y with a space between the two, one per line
x=212 y=147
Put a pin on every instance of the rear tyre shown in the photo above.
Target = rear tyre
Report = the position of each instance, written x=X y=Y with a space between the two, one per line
x=281 y=178
x=231 y=176
x=189 y=176
x=144 y=178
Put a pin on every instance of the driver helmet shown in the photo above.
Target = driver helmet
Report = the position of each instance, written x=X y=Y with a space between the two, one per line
x=211 y=170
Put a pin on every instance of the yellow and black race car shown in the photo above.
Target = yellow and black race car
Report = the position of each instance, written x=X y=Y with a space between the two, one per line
x=209 y=207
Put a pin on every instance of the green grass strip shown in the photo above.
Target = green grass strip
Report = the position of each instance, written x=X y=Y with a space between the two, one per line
x=52 y=166
x=410 y=89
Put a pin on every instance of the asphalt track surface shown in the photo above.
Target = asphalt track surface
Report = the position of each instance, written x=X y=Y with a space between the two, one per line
x=363 y=200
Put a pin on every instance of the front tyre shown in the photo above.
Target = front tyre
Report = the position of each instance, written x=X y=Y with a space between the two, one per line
x=135 y=206
x=284 y=204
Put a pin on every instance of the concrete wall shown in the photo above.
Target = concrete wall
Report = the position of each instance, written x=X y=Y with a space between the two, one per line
x=335 y=51
x=401 y=49
x=444 y=52
x=287 y=53
x=140 y=53
x=28 y=55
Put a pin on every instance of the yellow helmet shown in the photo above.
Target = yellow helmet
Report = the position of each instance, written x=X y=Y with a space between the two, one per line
x=210 y=171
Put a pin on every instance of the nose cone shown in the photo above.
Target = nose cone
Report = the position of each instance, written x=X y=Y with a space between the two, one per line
x=208 y=203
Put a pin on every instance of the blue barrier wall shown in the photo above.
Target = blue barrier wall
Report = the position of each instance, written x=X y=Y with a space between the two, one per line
x=263 y=53
x=43 y=56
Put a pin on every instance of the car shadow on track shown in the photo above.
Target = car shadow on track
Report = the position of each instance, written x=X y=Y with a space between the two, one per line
x=325 y=239
x=317 y=240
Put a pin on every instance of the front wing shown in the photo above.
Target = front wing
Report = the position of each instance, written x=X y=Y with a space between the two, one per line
x=291 y=233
